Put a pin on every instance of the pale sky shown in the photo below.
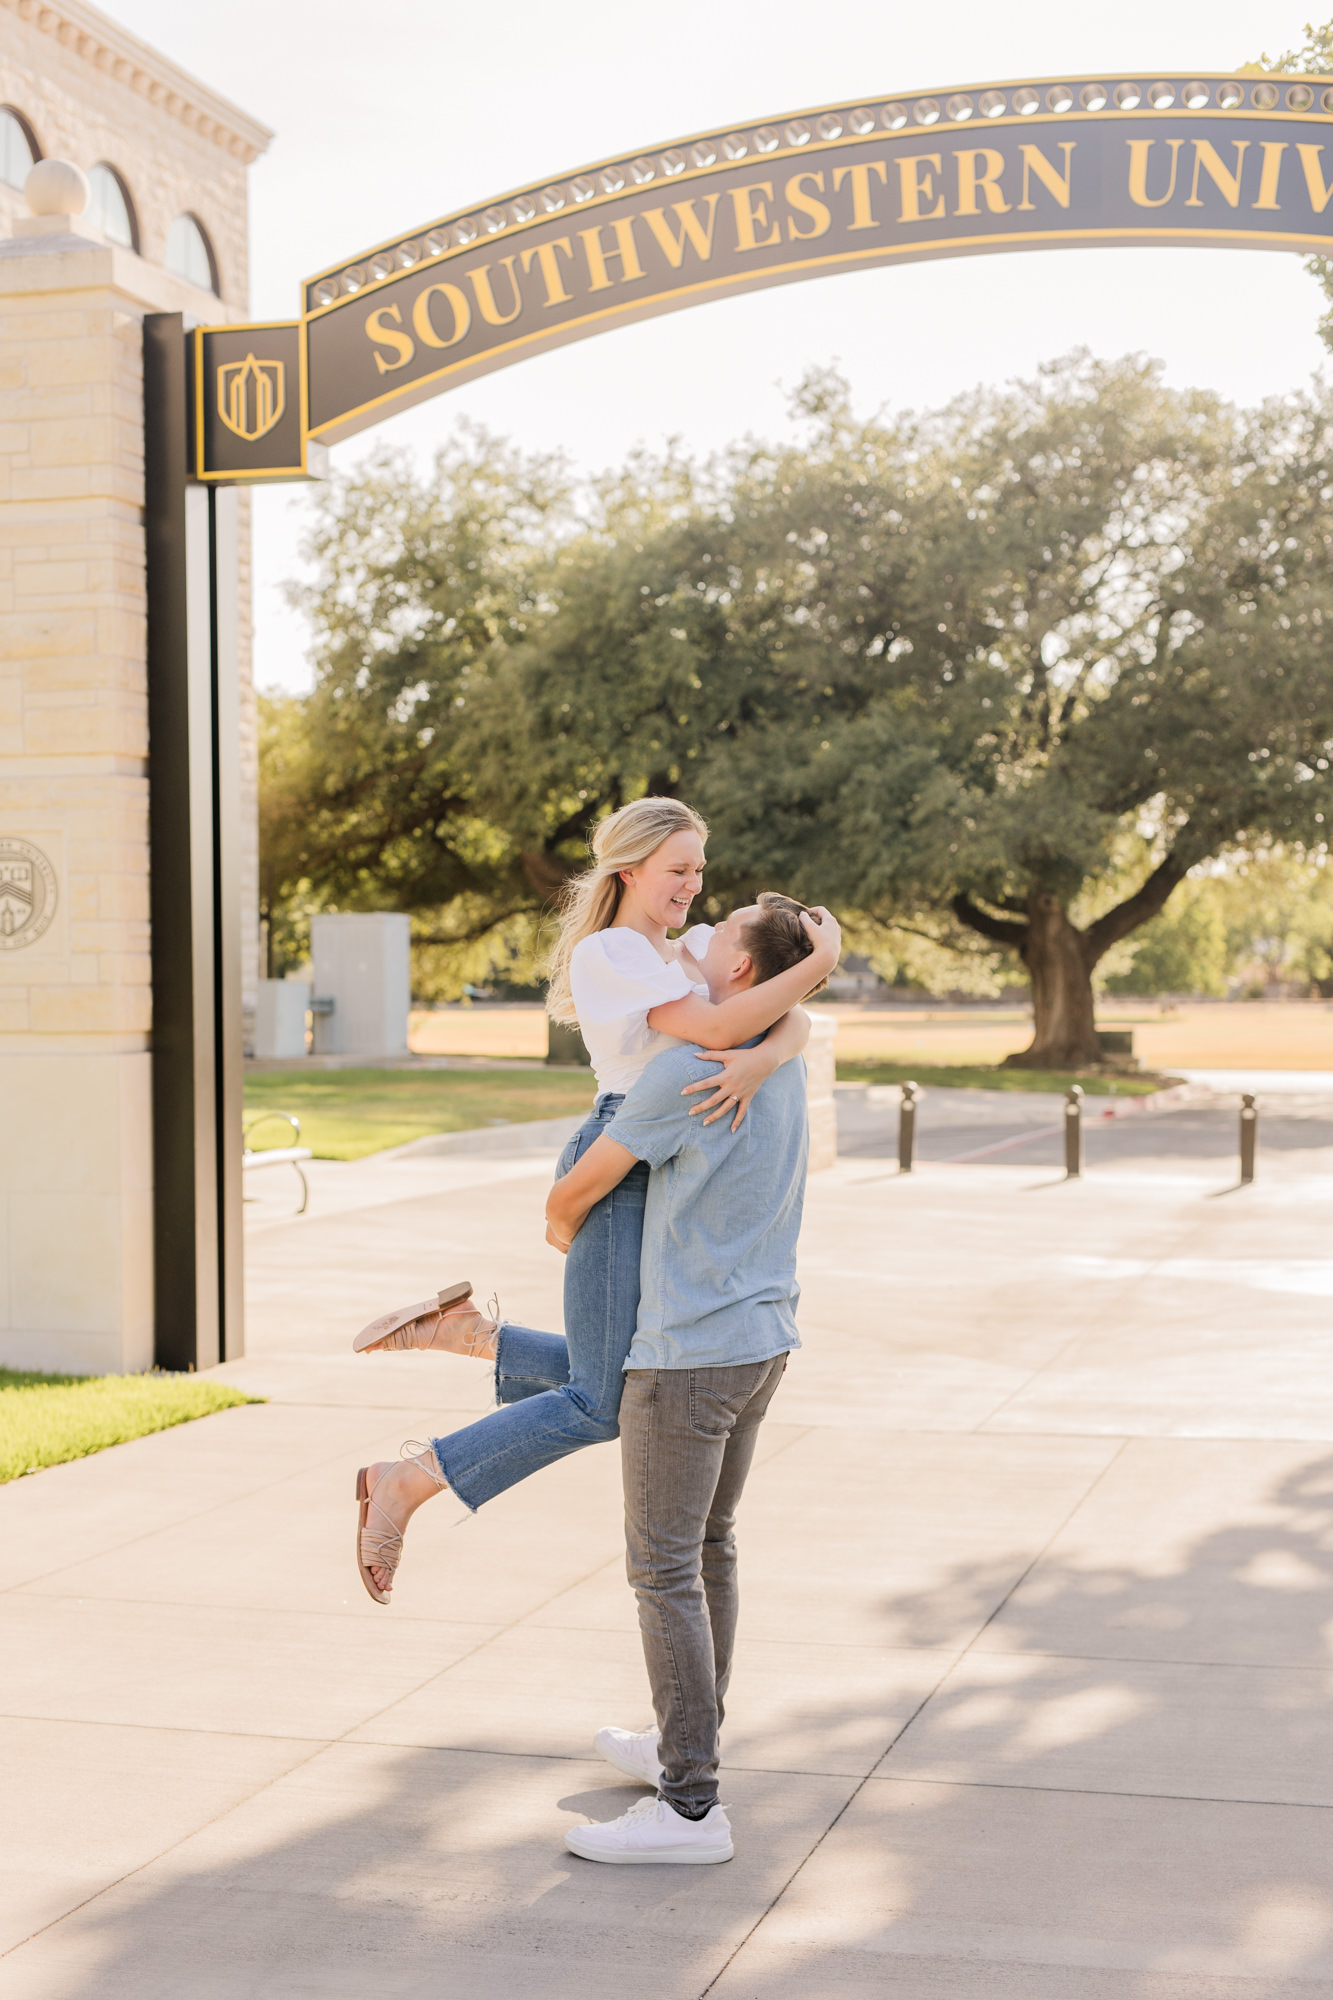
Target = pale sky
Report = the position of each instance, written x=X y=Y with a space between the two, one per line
x=389 y=116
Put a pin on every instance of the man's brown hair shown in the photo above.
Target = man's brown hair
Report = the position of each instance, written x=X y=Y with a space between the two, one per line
x=777 y=939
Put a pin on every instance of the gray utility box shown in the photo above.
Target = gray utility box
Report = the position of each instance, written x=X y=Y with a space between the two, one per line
x=280 y=1017
x=1117 y=1047
x=363 y=964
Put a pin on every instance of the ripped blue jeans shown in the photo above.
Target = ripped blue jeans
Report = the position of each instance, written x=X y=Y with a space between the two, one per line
x=558 y=1395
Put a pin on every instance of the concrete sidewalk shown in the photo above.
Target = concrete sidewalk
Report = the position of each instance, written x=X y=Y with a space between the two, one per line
x=1032 y=1697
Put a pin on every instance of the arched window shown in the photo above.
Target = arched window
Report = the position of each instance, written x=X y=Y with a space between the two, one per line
x=190 y=254
x=18 y=148
x=111 y=208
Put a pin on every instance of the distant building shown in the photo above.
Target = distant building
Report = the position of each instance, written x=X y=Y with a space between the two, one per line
x=856 y=979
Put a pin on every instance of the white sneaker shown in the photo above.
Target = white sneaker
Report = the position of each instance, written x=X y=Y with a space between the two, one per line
x=652 y=1831
x=632 y=1751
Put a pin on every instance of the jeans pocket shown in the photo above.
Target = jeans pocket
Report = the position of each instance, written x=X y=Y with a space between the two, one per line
x=575 y=1148
x=715 y=1405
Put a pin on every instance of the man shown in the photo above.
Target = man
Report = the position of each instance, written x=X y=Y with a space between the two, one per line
x=716 y=1323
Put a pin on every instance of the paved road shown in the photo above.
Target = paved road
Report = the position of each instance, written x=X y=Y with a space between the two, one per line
x=1033 y=1698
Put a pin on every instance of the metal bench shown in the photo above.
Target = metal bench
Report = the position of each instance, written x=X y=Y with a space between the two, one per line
x=276 y=1156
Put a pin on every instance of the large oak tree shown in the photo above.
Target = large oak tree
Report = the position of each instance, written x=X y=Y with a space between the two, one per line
x=937 y=670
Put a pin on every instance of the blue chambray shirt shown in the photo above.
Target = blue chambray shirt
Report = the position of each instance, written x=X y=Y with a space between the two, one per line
x=718 y=1274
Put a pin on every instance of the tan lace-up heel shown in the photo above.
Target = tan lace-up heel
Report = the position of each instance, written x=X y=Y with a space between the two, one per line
x=382 y=1547
x=446 y=1323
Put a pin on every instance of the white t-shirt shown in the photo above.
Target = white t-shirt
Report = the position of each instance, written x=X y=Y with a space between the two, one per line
x=617 y=978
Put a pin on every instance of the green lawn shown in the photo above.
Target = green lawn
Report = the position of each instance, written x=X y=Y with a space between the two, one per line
x=962 y=1076
x=347 y=1113
x=46 y=1419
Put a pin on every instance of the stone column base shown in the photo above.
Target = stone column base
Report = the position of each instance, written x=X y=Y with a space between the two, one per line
x=76 y=1213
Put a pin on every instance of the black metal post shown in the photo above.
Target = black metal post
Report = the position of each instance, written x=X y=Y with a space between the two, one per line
x=1249 y=1134
x=1074 y=1132
x=191 y=558
x=906 y=1128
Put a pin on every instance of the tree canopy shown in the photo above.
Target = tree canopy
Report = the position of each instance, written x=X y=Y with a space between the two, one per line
x=1313 y=58
x=1005 y=672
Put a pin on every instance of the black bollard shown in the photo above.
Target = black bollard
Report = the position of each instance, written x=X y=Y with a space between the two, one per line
x=1073 y=1132
x=906 y=1128
x=1249 y=1133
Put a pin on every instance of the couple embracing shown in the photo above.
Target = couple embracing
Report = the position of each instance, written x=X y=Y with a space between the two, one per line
x=678 y=1205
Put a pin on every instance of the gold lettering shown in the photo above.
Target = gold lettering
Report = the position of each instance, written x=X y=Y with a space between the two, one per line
x=1273 y=151
x=1138 y=171
x=805 y=204
x=599 y=278
x=388 y=336
x=752 y=214
x=1226 y=183
x=917 y=187
x=423 y=324
x=691 y=229
x=1054 y=182
x=481 y=285
x=979 y=170
x=556 y=295
x=862 y=215
x=1314 y=177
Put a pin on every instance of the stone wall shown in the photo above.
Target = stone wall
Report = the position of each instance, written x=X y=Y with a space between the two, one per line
x=75 y=996
x=91 y=92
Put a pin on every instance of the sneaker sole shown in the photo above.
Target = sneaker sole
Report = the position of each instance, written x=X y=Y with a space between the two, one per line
x=628 y=1770
x=677 y=1856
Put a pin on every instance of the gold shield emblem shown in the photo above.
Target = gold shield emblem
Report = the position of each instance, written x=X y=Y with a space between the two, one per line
x=252 y=395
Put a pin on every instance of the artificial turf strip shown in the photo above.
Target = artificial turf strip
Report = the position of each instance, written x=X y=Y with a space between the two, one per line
x=347 y=1113
x=47 y=1419
x=982 y=1076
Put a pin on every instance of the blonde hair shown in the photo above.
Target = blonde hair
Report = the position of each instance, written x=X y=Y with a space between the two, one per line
x=592 y=899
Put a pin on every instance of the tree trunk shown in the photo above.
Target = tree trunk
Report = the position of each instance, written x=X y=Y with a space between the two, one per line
x=1057 y=961
x=1060 y=960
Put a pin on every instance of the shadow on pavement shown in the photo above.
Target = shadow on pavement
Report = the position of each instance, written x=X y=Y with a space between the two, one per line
x=1095 y=1805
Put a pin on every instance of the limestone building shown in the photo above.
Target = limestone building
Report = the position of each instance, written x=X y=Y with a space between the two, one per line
x=165 y=231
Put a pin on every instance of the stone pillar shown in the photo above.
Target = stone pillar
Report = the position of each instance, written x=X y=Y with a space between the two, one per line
x=76 y=1247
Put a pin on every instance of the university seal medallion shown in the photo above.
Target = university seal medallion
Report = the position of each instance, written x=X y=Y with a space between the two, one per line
x=27 y=893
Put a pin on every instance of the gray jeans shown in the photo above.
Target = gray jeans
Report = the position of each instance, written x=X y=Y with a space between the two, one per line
x=687 y=1436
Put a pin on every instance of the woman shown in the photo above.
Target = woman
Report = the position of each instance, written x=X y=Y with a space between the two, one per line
x=633 y=993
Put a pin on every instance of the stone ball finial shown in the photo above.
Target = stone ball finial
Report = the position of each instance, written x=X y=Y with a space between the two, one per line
x=57 y=187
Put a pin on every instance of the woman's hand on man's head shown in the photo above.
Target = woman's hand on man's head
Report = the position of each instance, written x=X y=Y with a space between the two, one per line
x=732 y=1085
x=821 y=925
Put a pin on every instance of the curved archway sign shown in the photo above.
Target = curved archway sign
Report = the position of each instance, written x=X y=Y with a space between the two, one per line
x=1221 y=160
